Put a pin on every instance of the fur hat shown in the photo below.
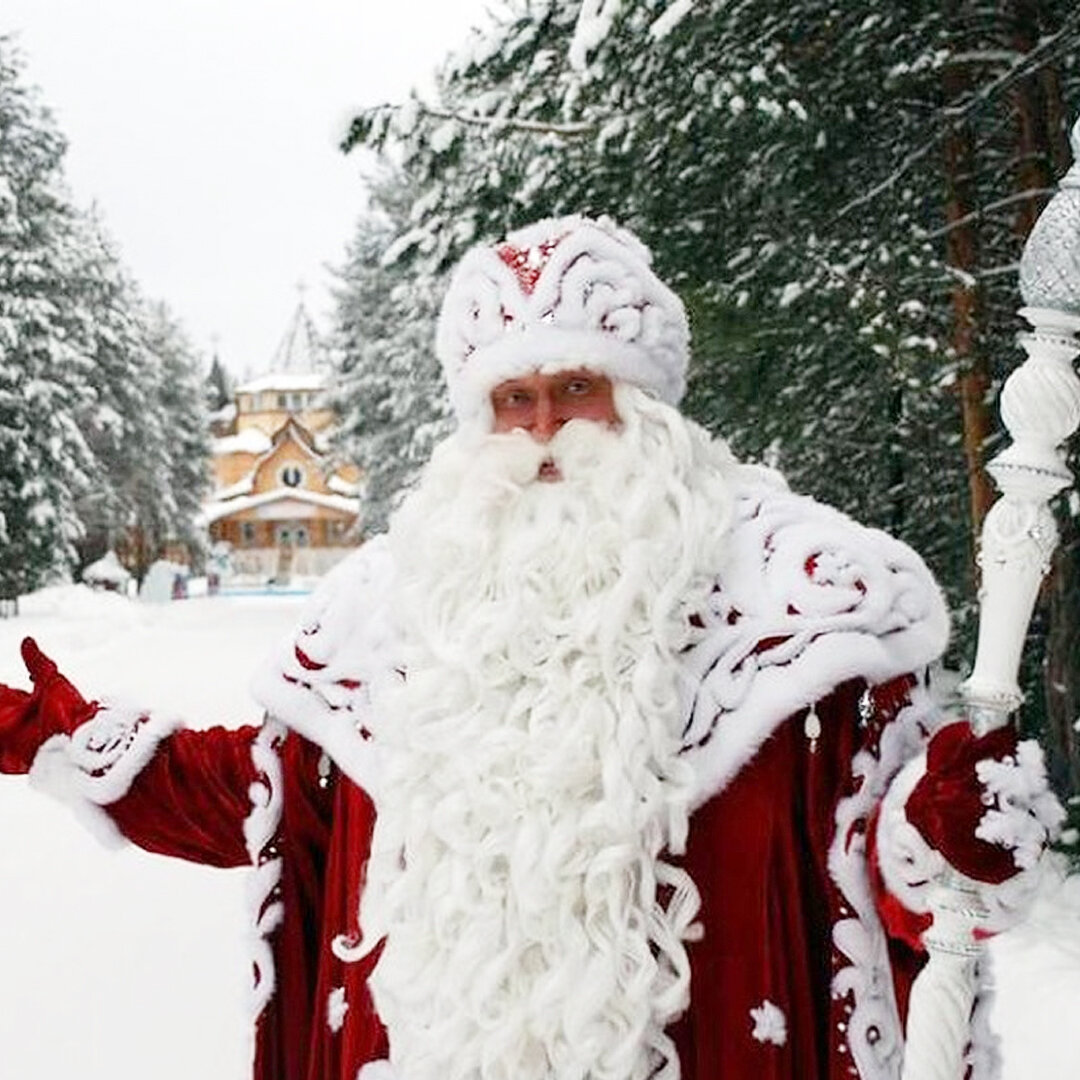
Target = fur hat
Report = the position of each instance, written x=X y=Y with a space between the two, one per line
x=562 y=293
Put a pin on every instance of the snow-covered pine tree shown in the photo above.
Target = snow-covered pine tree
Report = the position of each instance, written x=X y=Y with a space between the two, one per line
x=387 y=388
x=728 y=145
x=217 y=386
x=102 y=427
x=184 y=477
x=45 y=463
x=123 y=422
x=789 y=164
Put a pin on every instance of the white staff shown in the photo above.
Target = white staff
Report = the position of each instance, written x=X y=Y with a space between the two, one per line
x=1040 y=407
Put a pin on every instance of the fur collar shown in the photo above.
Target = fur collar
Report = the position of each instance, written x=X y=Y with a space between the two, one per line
x=807 y=599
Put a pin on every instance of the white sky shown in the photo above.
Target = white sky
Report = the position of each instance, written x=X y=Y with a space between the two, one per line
x=206 y=132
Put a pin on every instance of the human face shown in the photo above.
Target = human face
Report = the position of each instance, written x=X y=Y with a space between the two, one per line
x=541 y=404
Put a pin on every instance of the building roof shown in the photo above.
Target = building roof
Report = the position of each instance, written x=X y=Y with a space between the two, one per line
x=340 y=486
x=218 y=509
x=285 y=380
x=106 y=569
x=249 y=441
x=225 y=415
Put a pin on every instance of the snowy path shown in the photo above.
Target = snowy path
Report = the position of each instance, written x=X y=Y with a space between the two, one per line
x=122 y=966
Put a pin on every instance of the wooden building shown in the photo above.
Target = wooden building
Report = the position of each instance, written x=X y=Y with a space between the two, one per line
x=277 y=501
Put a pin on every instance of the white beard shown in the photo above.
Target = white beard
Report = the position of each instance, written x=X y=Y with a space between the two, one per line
x=532 y=781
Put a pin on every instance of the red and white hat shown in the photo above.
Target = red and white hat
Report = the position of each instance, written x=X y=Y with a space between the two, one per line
x=563 y=293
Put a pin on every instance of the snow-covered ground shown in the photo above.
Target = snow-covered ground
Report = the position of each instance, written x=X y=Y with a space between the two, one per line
x=120 y=965
x=116 y=965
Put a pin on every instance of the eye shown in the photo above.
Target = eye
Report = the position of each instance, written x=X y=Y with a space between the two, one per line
x=579 y=386
x=513 y=399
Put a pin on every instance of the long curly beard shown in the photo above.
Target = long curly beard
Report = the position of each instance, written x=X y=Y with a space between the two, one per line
x=533 y=783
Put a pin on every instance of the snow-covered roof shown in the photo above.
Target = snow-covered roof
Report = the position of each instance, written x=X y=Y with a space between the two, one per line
x=217 y=509
x=285 y=381
x=340 y=486
x=249 y=441
x=242 y=486
x=225 y=415
x=106 y=569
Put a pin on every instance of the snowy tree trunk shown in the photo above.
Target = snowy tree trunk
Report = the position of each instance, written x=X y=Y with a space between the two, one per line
x=1062 y=662
x=962 y=257
x=1033 y=174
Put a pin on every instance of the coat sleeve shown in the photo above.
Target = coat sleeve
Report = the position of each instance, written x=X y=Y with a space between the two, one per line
x=133 y=776
x=978 y=806
x=192 y=798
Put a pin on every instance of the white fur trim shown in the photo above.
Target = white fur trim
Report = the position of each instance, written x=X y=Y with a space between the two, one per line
x=873 y=1034
x=908 y=864
x=770 y=1024
x=595 y=302
x=547 y=350
x=96 y=764
x=1022 y=814
x=377 y=1070
x=898 y=624
x=336 y=1008
x=344 y=631
x=263 y=887
x=866 y=607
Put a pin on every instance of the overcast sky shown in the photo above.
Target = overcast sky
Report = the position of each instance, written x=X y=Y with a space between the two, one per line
x=206 y=132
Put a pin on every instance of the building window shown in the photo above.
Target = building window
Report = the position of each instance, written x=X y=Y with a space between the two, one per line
x=292 y=476
x=247 y=533
x=282 y=401
x=292 y=534
x=297 y=402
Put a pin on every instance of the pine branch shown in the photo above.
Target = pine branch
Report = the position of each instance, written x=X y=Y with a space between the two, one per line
x=1043 y=53
x=978 y=215
x=514 y=123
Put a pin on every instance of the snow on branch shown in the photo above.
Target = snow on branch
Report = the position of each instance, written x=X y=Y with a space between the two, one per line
x=671 y=18
x=513 y=122
x=968 y=280
x=596 y=18
x=976 y=215
x=985 y=56
x=594 y=21
x=1043 y=53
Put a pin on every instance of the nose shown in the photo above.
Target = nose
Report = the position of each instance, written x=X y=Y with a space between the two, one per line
x=546 y=419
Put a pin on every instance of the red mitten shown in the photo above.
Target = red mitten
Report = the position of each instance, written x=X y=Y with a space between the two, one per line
x=984 y=802
x=53 y=707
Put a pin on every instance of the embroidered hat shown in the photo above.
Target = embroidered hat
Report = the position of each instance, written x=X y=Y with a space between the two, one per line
x=562 y=293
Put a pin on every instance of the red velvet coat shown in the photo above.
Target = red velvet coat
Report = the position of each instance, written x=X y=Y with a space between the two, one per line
x=759 y=852
x=800 y=714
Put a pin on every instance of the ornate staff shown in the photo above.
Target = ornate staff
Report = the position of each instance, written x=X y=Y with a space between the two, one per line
x=1040 y=407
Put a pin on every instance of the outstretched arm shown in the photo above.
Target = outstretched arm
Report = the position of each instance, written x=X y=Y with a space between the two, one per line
x=28 y=718
x=129 y=774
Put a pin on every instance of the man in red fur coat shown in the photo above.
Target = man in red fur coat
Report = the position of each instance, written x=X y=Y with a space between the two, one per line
x=606 y=762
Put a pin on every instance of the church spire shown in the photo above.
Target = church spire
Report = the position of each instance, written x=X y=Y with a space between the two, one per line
x=301 y=349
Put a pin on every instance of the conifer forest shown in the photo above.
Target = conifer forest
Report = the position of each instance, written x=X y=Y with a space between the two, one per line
x=103 y=431
x=840 y=192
